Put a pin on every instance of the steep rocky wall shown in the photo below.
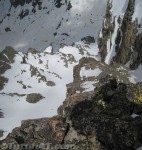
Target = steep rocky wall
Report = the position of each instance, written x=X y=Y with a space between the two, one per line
x=136 y=57
x=129 y=44
x=125 y=41
x=107 y=30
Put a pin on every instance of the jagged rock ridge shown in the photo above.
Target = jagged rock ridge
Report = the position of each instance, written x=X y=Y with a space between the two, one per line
x=119 y=39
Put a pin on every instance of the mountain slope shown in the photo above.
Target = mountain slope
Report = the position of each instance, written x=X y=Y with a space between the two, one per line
x=105 y=39
x=34 y=84
x=27 y=25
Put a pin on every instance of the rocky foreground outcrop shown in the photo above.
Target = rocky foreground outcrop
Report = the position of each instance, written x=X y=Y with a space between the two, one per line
x=107 y=119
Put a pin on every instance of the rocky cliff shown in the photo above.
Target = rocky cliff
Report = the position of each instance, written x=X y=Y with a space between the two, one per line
x=120 y=36
x=107 y=119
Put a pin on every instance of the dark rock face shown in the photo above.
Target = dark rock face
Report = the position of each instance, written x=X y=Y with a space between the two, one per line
x=129 y=30
x=58 y=3
x=7 y=29
x=128 y=40
x=16 y=3
x=6 y=58
x=3 y=80
x=10 y=53
x=32 y=50
x=50 y=83
x=69 y=5
x=36 y=4
x=108 y=117
x=24 y=13
x=136 y=57
x=88 y=40
x=107 y=30
x=34 y=97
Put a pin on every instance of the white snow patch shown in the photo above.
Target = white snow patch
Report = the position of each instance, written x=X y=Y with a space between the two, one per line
x=134 y=115
x=88 y=86
x=89 y=72
x=137 y=10
x=48 y=49
x=119 y=8
x=137 y=13
x=136 y=75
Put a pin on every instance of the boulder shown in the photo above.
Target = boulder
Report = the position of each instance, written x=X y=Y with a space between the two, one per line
x=50 y=83
x=34 y=97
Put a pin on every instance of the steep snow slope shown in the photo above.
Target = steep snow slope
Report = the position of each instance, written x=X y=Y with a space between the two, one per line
x=27 y=26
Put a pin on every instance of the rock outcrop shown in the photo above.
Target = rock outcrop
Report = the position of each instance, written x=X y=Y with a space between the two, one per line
x=136 y=58
x=102 y=120
x=88 y=39
x=125 y=40
x=107 y=30
x=34 y=97
x=128 y=38
x=3 y=81
x=6 y=58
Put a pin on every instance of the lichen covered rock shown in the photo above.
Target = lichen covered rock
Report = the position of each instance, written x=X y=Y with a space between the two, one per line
x=108 y=117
